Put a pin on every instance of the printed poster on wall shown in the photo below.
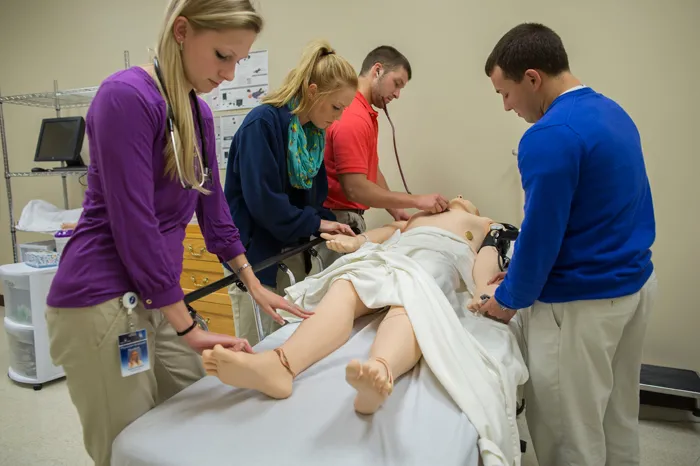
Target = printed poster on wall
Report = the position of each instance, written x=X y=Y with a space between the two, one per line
x=229 y=124
x=249 y=85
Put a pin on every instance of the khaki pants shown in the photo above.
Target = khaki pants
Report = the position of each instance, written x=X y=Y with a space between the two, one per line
x=584 y=359
x=242 y=304
x=84 y=341
x=348 y=217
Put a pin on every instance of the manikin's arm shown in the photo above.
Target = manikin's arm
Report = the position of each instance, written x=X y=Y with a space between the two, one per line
x=348 y=244
x=485 y=268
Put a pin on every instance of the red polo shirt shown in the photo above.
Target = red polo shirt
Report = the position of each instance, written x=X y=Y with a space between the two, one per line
x=351 y=147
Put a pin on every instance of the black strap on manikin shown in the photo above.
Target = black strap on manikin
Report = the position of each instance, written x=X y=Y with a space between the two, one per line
x=500 y=236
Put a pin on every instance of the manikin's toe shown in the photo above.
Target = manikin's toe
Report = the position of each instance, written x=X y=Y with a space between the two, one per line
x=372 y=385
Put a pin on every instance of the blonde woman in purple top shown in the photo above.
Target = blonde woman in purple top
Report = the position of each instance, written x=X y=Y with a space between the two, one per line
x=153 y=165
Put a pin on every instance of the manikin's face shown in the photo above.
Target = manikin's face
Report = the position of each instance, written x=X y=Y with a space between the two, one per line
x=329 y=107
x=210 y=57
x=523 y=97
x=460 y=203
x=387 y=85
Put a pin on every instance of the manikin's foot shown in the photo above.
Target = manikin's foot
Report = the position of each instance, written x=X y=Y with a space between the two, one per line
x=373 y=382
x=263 y=372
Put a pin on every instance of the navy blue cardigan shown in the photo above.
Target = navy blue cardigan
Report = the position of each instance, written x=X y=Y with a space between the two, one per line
x=269 y=213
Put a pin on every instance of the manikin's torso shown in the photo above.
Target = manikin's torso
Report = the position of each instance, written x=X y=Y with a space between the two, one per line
x=457 y=220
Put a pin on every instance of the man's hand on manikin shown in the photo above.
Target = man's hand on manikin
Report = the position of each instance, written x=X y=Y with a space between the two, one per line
x=399 y=215
x=491 y=309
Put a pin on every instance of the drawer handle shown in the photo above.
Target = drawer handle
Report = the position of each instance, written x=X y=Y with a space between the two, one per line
x=201 y=252
x=194 y=281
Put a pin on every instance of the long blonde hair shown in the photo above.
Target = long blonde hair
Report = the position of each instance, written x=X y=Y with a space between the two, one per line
x=319 y=65
x=202 y=15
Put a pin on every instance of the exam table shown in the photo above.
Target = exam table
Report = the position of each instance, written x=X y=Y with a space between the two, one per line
x=213 y=423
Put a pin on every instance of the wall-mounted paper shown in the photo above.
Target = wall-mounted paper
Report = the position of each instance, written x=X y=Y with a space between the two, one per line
x=228 y=125
x=249 y=85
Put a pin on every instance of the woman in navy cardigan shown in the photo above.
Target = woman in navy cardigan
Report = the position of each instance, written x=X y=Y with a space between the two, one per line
x=275 y=177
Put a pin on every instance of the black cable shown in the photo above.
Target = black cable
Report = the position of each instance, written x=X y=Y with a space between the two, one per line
x=393 y=134
x=226 y=281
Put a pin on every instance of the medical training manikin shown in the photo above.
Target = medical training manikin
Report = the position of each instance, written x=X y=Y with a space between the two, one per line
x=415 y=269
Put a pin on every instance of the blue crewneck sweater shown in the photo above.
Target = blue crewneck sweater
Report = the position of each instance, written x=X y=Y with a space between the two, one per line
x=589 y=217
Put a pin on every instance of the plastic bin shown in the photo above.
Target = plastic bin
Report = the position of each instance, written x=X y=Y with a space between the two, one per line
x=18 y=304
x=21 y=351
x=47 y=245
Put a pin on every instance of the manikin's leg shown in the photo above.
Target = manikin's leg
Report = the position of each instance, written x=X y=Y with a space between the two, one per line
x=395 y=351
x=272 y=372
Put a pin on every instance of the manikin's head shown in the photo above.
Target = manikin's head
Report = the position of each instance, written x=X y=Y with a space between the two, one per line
x=386 y=71
x=199 y=44
x=527 y=67
x=460 y=203
x=322 y=84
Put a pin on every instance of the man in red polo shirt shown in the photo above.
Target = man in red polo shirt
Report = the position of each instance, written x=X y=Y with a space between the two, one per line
x=355 y=182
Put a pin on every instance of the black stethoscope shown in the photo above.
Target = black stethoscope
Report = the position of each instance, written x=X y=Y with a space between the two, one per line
x=396 y=151
x=204 y=169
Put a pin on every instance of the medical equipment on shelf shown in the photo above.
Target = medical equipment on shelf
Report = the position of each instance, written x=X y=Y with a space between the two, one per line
x=203 y=167
x=61 y=140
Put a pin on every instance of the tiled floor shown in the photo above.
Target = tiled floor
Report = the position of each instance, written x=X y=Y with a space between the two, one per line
x=42 y=428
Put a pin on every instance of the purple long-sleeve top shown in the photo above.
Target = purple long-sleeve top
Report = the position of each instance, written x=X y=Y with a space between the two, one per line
x=130 y=234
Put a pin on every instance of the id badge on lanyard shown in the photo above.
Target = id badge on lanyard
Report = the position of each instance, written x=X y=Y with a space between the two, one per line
x=133 y=345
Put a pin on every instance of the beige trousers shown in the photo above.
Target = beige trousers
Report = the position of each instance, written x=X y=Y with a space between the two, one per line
x=242 y=304
x=85 y=342
x=584 y=359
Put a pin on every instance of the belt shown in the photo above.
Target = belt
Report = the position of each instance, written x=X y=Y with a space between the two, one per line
x=359 y=212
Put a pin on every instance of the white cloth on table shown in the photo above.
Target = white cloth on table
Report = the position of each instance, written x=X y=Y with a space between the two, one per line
x=43 y=217
x=420 y=270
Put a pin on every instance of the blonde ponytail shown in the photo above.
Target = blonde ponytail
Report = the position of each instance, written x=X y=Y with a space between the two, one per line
x=320 y=65
x=201 y=14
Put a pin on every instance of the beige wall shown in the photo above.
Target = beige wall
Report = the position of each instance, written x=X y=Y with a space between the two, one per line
x=453 y=135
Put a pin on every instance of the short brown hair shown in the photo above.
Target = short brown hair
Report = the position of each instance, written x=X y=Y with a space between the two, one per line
x=528 y=46
x=389 y=57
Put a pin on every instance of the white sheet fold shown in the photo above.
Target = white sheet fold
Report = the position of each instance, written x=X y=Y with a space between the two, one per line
x=479 y=367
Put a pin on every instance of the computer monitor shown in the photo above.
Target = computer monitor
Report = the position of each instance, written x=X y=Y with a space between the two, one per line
x=61 y=140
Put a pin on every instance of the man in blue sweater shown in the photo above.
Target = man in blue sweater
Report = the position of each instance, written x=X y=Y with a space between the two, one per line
x=581 y=273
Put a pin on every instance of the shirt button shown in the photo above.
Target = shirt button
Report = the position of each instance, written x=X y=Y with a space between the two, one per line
x=149 y=302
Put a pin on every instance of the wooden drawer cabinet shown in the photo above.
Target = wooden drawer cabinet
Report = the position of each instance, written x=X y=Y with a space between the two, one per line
x=200 y=268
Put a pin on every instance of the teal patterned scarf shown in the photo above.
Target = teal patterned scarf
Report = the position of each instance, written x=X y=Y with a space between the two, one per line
x=304 y=152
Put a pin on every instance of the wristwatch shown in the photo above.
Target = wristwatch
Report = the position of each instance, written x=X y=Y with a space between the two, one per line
x=486 y=297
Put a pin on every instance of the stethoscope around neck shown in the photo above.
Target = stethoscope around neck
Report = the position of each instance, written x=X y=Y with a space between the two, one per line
x=204 y=169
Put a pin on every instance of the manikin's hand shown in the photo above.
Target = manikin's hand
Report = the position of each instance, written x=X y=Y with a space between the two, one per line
x=335 y=227
x=491 y=309
x=199 y=340
x=433 y=203
x=269 y=302
x=343 y=243
x=399 y=214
